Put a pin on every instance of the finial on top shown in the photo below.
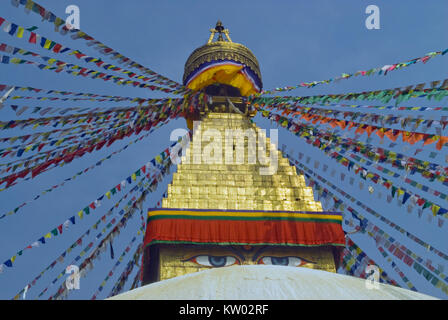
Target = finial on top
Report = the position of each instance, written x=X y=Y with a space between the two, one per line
x=219 y=28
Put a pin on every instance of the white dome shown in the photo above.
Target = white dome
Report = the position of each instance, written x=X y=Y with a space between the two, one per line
x=266 y=283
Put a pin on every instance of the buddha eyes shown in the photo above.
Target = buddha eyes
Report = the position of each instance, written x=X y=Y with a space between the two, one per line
x=283 y=261
x=225 y=261
x=215 y=261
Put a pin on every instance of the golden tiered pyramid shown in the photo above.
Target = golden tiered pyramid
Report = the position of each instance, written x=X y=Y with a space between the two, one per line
x=199 y=185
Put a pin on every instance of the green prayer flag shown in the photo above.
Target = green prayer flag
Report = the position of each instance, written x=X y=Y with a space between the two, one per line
x=427 y=204
x=394 y=189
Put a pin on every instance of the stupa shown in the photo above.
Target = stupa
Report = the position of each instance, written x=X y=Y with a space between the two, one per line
x=235 y=200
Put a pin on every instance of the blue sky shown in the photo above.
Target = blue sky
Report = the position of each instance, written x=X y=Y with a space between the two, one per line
x=294 y=41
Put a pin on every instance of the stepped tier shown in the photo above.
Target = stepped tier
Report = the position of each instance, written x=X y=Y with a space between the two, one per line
x=199 y=184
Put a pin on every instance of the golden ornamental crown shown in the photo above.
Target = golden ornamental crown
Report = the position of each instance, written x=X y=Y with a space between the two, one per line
x=221 y=50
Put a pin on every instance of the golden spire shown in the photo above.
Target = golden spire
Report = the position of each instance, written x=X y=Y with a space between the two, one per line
x=220 y=30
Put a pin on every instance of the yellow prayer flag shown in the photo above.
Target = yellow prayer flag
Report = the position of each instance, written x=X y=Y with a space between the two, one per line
x=438 y=284
x=134 y=177
x=108 y=194
x=20 y=32
x=48 y=235
x=29 y=4
x=80 y=214
x=47 y=44
x=350 y=262
x=435 y=209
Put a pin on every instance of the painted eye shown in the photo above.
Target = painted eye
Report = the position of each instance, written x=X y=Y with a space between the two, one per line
x=283 y=261
x=215 y=261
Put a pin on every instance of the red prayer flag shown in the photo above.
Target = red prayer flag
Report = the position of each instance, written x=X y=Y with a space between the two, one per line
x=57 y=48
x=79 y=55
x=32 y=38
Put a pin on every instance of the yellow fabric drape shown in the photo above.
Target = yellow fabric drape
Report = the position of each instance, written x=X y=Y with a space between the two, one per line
x=225 y=74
